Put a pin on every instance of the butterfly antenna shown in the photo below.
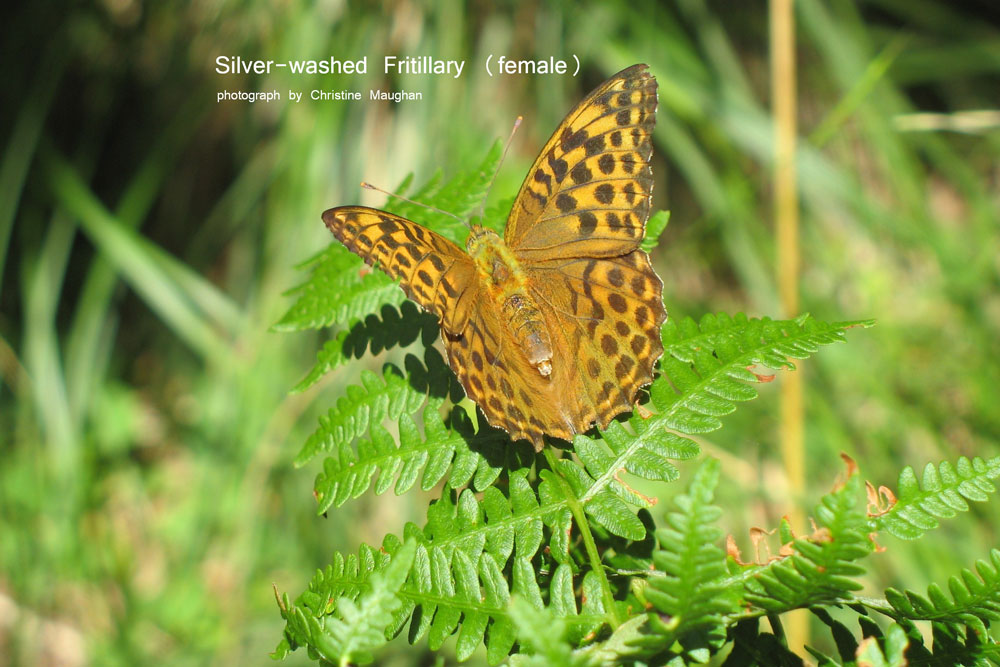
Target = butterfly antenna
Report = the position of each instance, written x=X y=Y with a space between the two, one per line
x=510 y=139
x=369 y=186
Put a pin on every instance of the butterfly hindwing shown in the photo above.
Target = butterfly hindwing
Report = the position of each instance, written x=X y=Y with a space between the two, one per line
x=509 y=390
x=433 y=271
x=609 y=311
x=588 y=193
x=496 y=375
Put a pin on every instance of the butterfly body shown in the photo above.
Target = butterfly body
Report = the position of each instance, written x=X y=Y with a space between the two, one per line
x=506 y=283
x=556 y=325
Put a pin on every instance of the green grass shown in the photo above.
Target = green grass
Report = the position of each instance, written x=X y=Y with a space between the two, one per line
x=147 y=494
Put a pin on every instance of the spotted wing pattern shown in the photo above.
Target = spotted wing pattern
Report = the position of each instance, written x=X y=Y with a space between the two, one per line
x=497 y=376
x=588 y=193
x=574 y=231
x=604 y=314
x=433 y=271
x=608 y=312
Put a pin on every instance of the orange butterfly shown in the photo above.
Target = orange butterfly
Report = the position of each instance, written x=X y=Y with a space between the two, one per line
x=557 y=324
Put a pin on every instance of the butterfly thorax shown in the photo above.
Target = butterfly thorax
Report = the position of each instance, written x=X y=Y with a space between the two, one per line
x=506 y=283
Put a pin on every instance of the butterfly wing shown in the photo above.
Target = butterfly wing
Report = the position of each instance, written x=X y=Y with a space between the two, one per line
x=604 y=316
x=608 y=311
x=433 y=271
x=497 y=376
x=588 y=193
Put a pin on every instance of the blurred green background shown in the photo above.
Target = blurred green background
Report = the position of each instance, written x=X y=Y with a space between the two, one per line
x=147 y=233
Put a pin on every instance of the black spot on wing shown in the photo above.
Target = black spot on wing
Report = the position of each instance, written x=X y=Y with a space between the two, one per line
x=580 y=174
x=594 y=145
x=604 y=193
x=606 y=163
x=565 y=203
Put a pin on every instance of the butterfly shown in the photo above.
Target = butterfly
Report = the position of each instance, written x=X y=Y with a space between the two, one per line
x=555 y=326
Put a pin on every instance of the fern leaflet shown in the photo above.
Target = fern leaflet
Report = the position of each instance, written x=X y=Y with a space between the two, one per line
x=689 y=593
x=655 y=226
x=974 y=600
x=359 y=624
x=821 y=568
x=941 y=494
x=470 y=559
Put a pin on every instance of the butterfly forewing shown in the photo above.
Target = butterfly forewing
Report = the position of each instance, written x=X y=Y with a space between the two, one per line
x=433 y=271
x=588 y=193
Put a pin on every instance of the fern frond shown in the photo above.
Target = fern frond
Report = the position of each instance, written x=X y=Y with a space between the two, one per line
x=706 y=366
x=645 y=452
x=441 y=449
x=821 y=568
x=940 y=494
x=470 y=559
x=390 y=395
x=338 y=291
x=689 y=589
x=363 y=451
x=359 y=624
x=645 y=449
x=705 y=373
x=398 y=327
x=974 y=598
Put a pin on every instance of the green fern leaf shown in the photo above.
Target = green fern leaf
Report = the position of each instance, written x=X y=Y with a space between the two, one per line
x=499 y=533
x=441 y=449
x=457 y=583
x=688 y=590
x=704 y=376
x=941 y=494
x=358 y=626
x=338 y=291
x=450 y=448
x=822 y=567
x=705 y=366
x=655 y=226
x=974 y=598
x=495 y=217
x=396 y=327
x=377 y=398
